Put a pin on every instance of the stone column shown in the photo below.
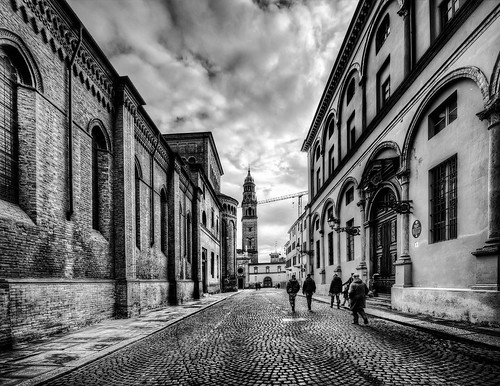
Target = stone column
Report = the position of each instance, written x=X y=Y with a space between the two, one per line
x=362 y=265
x=487 y=257
x=404 y=264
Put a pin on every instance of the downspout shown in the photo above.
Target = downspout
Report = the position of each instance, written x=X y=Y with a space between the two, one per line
x=70 y=210
x=151 y=175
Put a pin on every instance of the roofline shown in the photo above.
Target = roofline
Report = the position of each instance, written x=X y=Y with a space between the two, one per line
x=351 y=37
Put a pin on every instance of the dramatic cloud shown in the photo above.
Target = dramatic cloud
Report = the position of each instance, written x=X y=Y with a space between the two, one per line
x=252 y=72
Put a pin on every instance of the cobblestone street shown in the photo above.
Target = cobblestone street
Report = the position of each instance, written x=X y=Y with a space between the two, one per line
x=254 y=339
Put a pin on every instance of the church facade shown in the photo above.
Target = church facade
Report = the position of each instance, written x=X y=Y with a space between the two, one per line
x=403 y=154
x=99 y=217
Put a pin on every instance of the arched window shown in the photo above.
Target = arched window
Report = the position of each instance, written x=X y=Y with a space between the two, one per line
x=9 y=174
x=98 y=169
x=138 y=176
x=382 y=33
x=317 y=153
x=163 y=221
x=331 y=126
x=351 y=89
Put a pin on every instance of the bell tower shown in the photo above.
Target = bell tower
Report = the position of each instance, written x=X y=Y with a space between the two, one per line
x=249 y=218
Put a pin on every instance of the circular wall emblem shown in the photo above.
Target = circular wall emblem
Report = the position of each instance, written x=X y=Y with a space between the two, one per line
x=416 y=228
x=240 y=270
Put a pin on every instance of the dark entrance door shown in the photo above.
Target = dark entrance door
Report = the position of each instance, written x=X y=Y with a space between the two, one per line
x=384 y=243
x=204 y=270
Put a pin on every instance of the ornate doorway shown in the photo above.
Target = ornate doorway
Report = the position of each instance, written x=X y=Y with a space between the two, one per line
x=268 y=282
x=383 y=242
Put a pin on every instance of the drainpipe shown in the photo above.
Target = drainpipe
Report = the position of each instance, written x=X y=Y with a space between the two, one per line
x=70 y=210
x=151 y=174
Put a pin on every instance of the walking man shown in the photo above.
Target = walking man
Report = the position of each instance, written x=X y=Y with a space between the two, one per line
x=308 y=289
x=335 y=290
x=357 y=295
x=292 y=287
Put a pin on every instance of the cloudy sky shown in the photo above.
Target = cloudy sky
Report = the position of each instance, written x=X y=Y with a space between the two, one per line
x=251 y=72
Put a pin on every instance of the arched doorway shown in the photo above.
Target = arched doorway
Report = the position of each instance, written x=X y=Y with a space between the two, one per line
x=383 y=242
x=268 y=282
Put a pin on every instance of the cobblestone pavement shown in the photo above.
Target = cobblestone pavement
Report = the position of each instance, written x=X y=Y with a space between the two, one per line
x=254 y=339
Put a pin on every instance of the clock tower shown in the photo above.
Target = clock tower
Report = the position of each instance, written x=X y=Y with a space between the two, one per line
x=249 y=219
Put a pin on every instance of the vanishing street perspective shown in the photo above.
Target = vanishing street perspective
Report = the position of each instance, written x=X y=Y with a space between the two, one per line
x=135 y=239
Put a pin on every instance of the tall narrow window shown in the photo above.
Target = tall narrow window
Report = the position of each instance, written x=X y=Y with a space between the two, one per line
x=9 y=175
x=138 y=176
x=330 y=248
x=383 y=84
x=382 y=33
x=212 y=264
x=351 y=132
x=443 y=205
x=447 y=10
x=318 y=180
x=445 y=114
x=331 y=126
x=331 y=157
x=317 y=153
x=349 y=242
x=163 y=221
x=350 y=90
x=98 y=147
x=349 y=195
x=318 y=259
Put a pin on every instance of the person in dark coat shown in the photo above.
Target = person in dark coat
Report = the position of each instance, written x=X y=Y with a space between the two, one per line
x=292 y=288
x=335 y=290
x=346 y=290
x=357 y=295
x=308 y=289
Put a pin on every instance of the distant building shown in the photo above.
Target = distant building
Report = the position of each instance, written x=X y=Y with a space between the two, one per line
x=403 y=155
x=267 y=272
x=298 y=258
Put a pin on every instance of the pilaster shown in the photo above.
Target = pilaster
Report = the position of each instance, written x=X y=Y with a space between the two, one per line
x=487 y=257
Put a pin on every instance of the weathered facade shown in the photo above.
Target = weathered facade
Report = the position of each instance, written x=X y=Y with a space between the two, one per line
x=99 y=218
x=403 y=156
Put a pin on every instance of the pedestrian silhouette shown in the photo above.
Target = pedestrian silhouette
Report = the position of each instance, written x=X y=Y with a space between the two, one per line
x=346 y=290
x=357 y=299
x=292 y=287
x=335 y=290
x=308 y=289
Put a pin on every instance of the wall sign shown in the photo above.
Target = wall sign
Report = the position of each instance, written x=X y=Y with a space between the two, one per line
x=416 y=228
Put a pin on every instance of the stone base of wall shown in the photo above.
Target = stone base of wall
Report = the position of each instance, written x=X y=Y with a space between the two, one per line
x=34 y=308
x=186 y=291
x=478 y=307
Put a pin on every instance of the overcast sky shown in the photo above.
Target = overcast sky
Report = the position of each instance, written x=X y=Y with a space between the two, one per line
x=251 y=72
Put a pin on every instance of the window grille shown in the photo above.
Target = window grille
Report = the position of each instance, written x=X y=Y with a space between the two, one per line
x=443 y=203
x=8 y=132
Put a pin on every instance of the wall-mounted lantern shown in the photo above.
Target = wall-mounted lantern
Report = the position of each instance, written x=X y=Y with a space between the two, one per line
x=334 y=223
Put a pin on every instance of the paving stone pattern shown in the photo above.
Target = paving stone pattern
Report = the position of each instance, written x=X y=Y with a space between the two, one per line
x=254 y=339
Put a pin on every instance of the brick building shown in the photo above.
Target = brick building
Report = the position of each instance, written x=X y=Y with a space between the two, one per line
x=403 y=154
x=99 y=217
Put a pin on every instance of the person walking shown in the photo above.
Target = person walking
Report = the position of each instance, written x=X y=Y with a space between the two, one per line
x=292 y=288
x=335 y=290
x=346 y=290
x=308 y=289
x=357 y=299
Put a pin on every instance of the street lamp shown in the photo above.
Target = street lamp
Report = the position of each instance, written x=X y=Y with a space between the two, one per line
x=335 y=222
